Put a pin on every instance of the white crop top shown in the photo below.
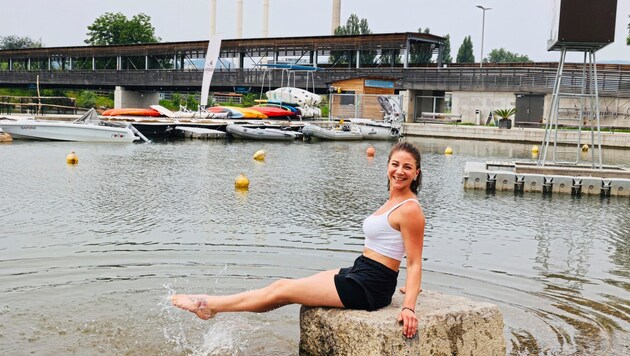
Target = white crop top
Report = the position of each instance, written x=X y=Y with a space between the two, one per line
x=381 y=237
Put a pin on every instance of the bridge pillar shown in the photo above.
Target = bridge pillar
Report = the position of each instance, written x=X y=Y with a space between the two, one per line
x=407 y=97
x=134 y=99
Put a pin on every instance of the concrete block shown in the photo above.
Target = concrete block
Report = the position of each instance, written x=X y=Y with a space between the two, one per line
x=448 y=325
x=562 y=184
x=533 y=182
x=620 y=187
x=475 y=180
x=591 y=186
x=505 y=181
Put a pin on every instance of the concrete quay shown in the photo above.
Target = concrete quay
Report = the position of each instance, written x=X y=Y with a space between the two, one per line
x=515 y=134
x=447 y=325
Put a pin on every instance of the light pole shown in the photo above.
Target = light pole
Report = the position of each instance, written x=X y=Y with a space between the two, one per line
x=483 y=28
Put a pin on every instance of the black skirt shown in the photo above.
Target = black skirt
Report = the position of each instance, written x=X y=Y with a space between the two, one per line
x=367 y=285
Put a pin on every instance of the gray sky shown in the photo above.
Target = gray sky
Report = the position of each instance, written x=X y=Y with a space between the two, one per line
x=521 y=26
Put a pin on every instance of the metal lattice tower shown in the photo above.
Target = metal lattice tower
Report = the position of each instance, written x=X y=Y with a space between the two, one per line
x=564 y=130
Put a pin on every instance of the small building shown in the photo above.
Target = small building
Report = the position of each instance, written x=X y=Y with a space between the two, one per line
x=358 y=97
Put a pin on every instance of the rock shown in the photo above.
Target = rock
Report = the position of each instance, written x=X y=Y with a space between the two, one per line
x=448 y=325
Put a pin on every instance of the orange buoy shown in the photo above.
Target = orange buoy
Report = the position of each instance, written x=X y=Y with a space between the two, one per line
x=370 y=151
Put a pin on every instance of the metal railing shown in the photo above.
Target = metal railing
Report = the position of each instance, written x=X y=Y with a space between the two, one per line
x=516 y=79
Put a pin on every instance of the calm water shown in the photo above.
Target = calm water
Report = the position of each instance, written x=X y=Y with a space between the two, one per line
x=89 y=253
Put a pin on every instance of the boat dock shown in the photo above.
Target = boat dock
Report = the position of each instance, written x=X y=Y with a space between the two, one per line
x=563 y=179
x=200 y=132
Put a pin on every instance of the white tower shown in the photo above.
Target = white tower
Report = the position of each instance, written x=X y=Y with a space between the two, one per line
x=239 y=18
x=265 y=19
x=336 y=16
x=213 y=17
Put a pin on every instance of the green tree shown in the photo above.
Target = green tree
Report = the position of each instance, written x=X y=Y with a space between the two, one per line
x=115 y=28
x=87 y=99
x=502 y=56
x=421 y=53
x=16 y=42
x=446 y=50
x=353 y=26
x=465 y=52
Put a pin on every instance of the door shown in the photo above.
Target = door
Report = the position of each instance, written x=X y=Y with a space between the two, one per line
x=529 y=110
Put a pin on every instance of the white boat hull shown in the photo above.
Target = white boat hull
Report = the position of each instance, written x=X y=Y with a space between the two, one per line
x=332 y=134
x=268 y=134
x=373 y=130
x=66 y=131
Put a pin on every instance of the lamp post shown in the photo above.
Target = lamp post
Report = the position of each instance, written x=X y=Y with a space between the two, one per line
x=483 y=28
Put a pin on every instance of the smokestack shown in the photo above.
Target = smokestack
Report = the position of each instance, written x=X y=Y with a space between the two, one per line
x=239 y=18
x=213 y=17
x=336 y=16
x=265 y=19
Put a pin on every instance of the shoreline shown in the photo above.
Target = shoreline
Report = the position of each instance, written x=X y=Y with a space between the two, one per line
x=515 y=134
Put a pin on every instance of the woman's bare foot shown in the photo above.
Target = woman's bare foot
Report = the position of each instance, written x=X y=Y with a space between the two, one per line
x=403 y=290
x=193 y=303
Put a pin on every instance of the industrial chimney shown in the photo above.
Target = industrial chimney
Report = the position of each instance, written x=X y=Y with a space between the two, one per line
x=239 y=18
x=213 y=17
x=265 y=19
x=336 y=16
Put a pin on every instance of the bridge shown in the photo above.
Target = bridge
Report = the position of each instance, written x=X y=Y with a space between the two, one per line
x=178 y=66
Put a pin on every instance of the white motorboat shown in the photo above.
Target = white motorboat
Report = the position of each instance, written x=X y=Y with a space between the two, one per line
x=87 y=128
x=257 y=133
x=377 y=130
x=345 y=132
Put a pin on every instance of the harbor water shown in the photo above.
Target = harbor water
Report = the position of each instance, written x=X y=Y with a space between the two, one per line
x=89 y=253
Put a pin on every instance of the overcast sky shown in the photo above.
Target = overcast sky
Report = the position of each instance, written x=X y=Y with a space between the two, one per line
x=520 y=26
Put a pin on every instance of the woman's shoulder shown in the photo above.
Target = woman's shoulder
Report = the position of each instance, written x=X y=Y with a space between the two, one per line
x=411 y=207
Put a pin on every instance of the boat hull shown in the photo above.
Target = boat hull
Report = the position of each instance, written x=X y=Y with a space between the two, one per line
x=332 y=134
x=373 y=130
x=266 y=134
x=67 y=131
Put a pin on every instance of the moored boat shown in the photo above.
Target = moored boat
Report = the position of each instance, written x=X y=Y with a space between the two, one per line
x=340 y=133
x=88 y=128
x=257 y=133
x=376 y=130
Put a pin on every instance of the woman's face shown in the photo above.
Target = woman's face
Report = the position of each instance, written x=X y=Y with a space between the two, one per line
x=401 y=170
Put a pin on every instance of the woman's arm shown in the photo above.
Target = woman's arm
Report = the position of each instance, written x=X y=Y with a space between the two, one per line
x=411 y=223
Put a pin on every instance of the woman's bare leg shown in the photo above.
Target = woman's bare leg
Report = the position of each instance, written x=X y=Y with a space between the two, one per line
x=316 y=290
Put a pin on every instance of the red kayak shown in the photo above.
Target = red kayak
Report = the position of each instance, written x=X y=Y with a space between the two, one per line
x=273 y=111
x=131 y=112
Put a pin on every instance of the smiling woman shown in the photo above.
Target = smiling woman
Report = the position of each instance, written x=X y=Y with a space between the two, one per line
x=396 y=229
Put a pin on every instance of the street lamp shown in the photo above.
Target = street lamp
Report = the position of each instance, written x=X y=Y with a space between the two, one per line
x=483 y=28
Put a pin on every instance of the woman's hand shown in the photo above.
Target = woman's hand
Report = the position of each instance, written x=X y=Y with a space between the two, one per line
x=409 y=320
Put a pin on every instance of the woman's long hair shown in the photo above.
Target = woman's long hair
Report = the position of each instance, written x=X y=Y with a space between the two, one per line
x=415 y=153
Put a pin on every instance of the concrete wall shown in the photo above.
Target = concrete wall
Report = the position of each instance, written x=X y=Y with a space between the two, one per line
x=466 y=102
x=133 y=99
x=522 y=135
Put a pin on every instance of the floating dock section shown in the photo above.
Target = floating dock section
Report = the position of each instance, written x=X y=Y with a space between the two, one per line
x=548 y=179
x=201 y=133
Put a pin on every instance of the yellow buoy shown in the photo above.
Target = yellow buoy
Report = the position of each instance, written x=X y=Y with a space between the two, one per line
x=241 y=182
x=72 y=158
x=5 y=137
x=260 y=155
x=534 y=149
x=370 y=151
x=585 y=148
x=448 y=150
